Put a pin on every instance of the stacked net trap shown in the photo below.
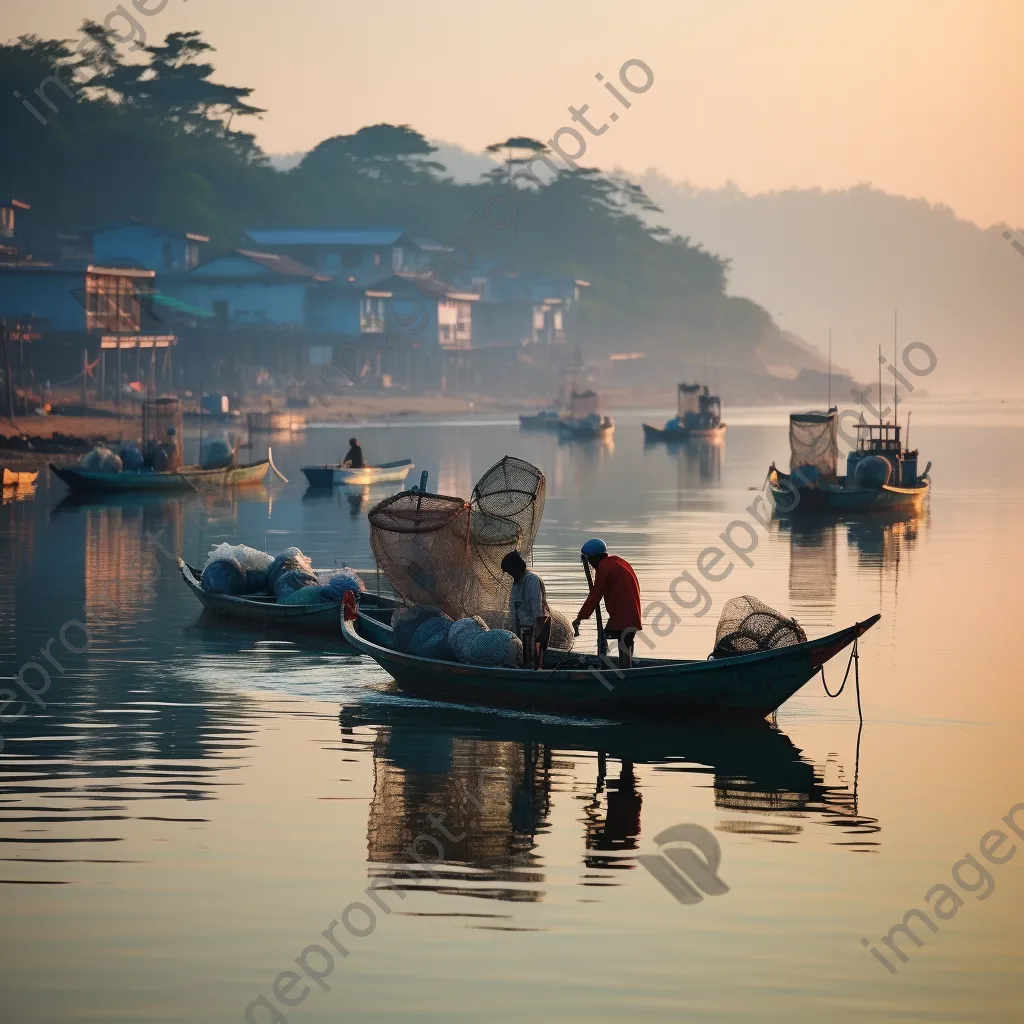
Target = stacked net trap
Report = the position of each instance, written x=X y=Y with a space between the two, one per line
x=748 y=625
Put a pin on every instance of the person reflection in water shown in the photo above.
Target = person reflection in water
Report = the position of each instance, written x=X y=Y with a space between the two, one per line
x=621 y=826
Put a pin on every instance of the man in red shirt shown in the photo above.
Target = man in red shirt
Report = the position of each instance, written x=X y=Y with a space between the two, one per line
x=615 y=581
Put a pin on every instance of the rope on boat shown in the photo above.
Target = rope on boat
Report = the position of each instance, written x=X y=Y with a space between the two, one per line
x=853 y=663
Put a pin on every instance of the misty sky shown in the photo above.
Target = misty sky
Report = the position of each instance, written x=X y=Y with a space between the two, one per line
x=919 y=97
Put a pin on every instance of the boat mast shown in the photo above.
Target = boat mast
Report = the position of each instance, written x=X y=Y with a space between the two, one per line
x=880 y=388
x=895 y=379
x=829 y=368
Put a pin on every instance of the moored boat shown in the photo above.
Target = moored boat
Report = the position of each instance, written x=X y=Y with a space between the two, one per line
x=699 y=417
x=587 y=428
x=265 y=611
x=881 y=473
x=330 y=476
x=187 y=478
x=746 y=685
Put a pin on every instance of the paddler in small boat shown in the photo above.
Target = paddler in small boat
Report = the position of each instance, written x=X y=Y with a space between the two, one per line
x=528 y=609
x=615 y=581
x=354 y=458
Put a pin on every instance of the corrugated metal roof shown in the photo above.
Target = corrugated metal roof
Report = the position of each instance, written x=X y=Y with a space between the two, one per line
x=278 y=264
x=324 y=236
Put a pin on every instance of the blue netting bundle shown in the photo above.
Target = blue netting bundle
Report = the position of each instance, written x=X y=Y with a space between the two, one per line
x=224 y=576
x=494 y=647
x=289 y=559
x=131 y=457
x=338 y=582
x=430 y=640
x=256 y=582
x=406 y=621
x=292 y=580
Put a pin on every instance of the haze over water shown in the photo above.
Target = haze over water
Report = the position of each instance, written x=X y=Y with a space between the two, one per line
x=197 y=803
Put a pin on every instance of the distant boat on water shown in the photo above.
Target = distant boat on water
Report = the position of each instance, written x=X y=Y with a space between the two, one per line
x=881 y=473
x=584 y=422
x=699 y=417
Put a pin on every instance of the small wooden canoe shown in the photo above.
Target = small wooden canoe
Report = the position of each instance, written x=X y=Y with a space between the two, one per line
x=265 y=611
x=12 y=478
x=749 y=685
x=188 y=478
x=365 y=476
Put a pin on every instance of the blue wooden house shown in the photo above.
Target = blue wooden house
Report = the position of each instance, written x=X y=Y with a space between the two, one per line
x=132 y=243
x=358 y=258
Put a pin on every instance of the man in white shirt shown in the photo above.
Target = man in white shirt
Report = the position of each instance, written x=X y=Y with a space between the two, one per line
x=528 y=609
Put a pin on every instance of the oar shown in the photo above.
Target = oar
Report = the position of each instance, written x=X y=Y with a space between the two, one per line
x=270 y=459
x=602 y=641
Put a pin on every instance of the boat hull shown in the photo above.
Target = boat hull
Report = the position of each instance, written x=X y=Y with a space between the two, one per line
x=682 y=434
x=189 y=478
x=792 y=499
x=584 y=432
x=268 y=614
x=367 y=476
x=751 y=685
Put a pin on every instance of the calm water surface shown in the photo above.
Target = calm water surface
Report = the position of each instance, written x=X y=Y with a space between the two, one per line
x=195 y=804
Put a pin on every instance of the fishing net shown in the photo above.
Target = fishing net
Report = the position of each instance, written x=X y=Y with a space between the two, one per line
x=561 y=637
x=813 y=442
x=445 y=551
x=748 y=625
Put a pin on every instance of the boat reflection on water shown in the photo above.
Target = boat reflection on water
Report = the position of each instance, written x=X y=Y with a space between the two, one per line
x=884 y=540
x=491 y=782
x=813 y=548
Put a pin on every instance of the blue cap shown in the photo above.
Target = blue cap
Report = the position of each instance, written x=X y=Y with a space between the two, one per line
x=595 y=546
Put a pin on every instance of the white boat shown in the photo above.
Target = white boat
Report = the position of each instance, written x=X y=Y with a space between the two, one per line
x=334 y=476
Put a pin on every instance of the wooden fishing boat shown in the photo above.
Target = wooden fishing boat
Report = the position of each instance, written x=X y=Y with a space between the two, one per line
x=331 y=476
x=748 y=685
x=881 y=474
x=13 y=478
x=263 y=610
x=188 y=478
x=699 y=418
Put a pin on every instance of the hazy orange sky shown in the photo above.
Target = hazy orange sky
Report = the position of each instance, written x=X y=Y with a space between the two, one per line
x=919 y=97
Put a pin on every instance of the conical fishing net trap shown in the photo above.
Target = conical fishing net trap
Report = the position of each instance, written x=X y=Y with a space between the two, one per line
x=447 y=552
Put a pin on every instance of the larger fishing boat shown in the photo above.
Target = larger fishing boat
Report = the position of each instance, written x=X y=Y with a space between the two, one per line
x=881 y=472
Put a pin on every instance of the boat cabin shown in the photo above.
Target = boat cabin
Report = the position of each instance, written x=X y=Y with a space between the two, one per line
x=697 y=408
x=882 y=440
